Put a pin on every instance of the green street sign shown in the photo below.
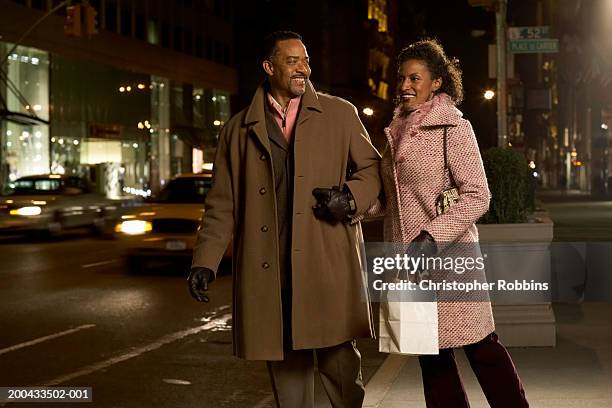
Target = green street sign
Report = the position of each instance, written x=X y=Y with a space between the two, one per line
x=528 y=33
x=544 y=45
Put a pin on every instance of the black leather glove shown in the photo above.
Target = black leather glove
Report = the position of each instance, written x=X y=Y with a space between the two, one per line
x=198 y=281
x=423 y=244
x=333 y=204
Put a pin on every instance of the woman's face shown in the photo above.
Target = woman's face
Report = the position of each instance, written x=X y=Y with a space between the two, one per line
x=415 y=85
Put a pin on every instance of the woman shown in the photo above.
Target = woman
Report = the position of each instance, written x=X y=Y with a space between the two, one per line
x=414 y=175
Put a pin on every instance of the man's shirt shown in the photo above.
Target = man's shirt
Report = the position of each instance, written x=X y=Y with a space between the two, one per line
x=285 y=117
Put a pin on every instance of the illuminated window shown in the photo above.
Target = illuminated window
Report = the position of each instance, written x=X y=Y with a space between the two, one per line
x=377 y=10
x=383 y=90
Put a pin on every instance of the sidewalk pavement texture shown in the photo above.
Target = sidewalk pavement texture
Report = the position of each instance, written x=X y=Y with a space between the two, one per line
x=577 y=373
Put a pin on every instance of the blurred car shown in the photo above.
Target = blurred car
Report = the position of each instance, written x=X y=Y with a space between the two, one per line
x=165 y=227
x=51 y=203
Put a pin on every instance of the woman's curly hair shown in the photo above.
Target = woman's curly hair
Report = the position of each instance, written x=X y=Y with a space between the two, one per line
x=440 y=66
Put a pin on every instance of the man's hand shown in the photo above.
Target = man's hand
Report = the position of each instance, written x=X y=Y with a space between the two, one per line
x=198 y=281
x=333 y=204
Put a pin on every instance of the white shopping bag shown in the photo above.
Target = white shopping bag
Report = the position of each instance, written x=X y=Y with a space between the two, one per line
x=408 y=327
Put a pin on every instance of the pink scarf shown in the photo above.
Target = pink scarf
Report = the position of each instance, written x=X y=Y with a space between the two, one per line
x=403 y=124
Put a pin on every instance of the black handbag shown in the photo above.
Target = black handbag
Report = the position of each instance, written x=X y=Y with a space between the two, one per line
x=449 y=196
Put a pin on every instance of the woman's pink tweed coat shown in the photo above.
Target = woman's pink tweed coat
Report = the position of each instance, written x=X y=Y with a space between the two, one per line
x=412 y=169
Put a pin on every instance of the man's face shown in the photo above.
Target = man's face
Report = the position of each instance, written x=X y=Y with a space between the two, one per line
x=415 y=85
x=288 y=69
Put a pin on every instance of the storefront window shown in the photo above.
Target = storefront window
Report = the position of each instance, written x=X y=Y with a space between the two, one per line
x=101 y=129
x=25 y=142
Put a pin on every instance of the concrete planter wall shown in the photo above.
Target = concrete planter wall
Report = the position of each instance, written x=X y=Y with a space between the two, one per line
x=521 y=251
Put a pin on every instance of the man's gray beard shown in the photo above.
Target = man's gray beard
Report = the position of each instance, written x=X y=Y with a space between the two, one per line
x=298 y=93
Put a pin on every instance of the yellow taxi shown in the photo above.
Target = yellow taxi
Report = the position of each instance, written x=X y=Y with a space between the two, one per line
x=165 y=227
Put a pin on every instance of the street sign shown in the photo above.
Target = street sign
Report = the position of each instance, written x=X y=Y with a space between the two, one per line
x=547 y=45
x=528 y=33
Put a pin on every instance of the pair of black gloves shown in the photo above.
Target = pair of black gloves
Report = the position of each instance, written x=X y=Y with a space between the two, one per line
x=333 y=205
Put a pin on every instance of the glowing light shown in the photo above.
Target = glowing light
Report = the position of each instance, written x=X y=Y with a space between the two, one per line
x=141 y=86
x=134 y=227
x=54 y=176
x=140 y=125
x=604 y=126
x=128 y=88
x=9 y=132
x=53 y=140
x=37 y=107
x=9 y=144
x=75 y=142
x=217 y=123
x=121 y=89
x=214 y=99
x=535 y=174
x=135 y=145
x=27 y=211
x=368 y=111
x=38 y=134
x=34 y=61
x=489 y=94
x=532 y=164
x=61 y=141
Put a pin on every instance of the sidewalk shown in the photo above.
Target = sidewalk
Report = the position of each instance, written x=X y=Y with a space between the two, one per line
x=577 y=373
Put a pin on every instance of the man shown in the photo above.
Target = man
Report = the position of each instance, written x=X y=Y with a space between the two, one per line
x=297 y=269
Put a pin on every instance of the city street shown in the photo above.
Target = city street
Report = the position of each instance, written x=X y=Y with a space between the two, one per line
x=71 y=315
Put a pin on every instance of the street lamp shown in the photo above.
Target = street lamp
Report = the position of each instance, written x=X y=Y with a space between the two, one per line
x=489 y=94
x=368 y=111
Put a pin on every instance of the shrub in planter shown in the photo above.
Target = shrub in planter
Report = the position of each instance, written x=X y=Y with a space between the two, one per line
x=512 y=186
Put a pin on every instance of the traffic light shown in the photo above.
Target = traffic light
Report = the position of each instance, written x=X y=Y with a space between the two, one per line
x=72 y=25
x=91 y=22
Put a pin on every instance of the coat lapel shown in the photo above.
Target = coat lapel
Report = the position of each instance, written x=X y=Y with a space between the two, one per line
x=255 y=118
x=310 y=104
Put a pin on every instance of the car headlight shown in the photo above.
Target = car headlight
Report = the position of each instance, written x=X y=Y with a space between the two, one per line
x=27 y=211
x=134 y=227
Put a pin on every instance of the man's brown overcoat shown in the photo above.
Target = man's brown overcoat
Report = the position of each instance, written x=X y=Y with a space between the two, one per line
x=329 y=303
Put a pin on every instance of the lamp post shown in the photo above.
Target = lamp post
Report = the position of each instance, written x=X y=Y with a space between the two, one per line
x=502 y=98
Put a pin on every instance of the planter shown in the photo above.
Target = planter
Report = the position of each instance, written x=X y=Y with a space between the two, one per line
x=521 y=252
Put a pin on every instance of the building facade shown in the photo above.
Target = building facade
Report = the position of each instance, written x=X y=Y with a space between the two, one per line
x=129 y=107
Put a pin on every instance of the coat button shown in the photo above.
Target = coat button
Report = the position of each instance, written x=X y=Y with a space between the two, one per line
x=265 y=265
x=264 y=228
x=262 y=157
x=262 y=191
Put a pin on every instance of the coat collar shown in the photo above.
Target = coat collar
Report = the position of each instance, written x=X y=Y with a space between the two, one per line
x=442 y=113
x=256 y=111
x=256 y=115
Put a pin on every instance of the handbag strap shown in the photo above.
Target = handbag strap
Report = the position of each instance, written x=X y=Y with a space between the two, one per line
x=450 y=174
